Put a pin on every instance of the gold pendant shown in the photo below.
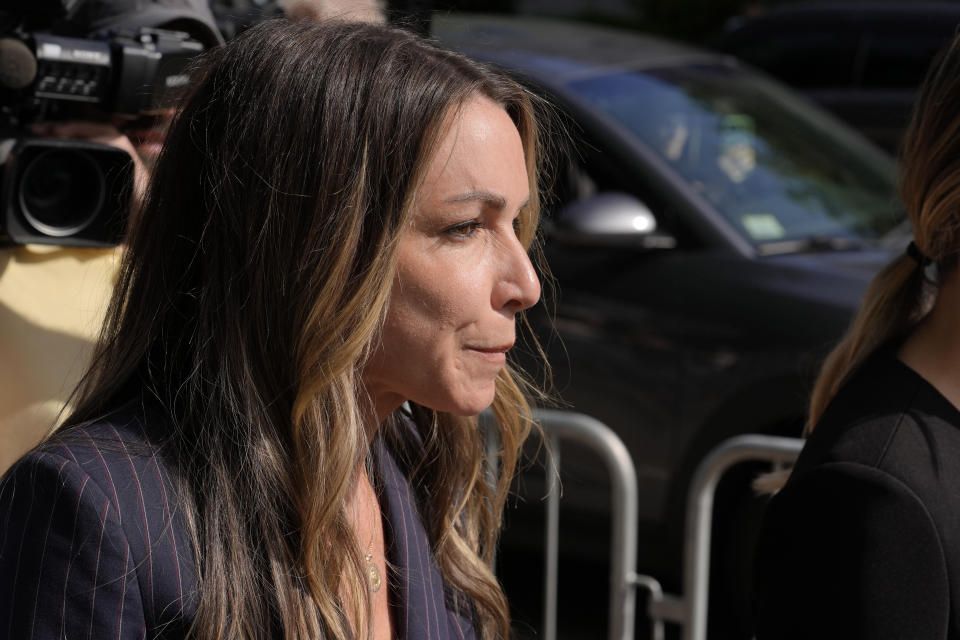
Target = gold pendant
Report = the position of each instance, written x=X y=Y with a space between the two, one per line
x=373 y=574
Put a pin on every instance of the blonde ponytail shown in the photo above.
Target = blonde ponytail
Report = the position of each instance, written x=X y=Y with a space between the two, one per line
x=890 y=308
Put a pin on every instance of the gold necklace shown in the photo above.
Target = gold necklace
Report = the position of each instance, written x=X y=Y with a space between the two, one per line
x=373 y=571
x=374 y=580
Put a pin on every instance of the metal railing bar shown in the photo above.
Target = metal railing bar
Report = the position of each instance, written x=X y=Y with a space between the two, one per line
x=696 y=580
x=623 y=479
x=551 y=569
x=657 y=598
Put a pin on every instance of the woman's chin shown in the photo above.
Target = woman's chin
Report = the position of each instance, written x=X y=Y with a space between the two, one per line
x=469 y=405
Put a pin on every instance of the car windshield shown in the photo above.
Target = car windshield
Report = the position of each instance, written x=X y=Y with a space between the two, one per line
x=777 y=169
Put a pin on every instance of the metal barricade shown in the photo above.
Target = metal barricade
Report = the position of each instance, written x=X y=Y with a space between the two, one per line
x=690 y=612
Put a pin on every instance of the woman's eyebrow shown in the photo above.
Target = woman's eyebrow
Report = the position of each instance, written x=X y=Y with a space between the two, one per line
x=488 y=198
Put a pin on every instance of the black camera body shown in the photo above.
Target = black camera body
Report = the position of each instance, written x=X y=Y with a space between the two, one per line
x=68 y=192
x=127 y=74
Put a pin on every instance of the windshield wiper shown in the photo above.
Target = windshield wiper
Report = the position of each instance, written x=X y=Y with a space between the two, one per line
x=811 y=244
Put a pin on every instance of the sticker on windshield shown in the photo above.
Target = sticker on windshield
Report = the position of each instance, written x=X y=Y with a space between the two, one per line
x=737 y=155
x=762 y=226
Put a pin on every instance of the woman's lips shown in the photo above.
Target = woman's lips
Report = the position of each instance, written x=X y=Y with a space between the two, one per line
x=495 y=355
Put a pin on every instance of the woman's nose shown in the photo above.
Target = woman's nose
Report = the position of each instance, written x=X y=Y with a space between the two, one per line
x=518 y=287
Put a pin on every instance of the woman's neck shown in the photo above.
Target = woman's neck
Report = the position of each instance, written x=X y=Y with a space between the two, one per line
x=933 y=349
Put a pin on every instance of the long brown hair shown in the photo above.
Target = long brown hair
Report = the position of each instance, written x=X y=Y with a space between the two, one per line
x=898 y=297
x=254 y=286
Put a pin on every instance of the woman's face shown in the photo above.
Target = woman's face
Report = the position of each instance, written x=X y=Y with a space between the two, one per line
x=462 y=273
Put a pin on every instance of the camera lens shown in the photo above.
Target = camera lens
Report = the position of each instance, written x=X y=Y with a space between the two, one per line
x=61 y=192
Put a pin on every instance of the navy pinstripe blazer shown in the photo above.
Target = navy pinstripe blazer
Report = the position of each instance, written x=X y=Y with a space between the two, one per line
x=93 y=545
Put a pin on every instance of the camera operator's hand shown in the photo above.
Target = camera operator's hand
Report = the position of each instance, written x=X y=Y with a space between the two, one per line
x=104 y=133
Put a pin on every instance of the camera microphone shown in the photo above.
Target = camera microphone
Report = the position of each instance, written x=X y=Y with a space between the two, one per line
x=18 y=66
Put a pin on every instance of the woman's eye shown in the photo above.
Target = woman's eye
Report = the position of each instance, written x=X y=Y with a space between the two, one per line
x=464 y=229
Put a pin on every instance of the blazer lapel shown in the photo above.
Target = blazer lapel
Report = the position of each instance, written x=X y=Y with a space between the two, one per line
x=416 y=585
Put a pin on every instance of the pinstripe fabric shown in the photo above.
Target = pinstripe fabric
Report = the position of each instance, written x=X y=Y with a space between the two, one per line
x=92 y=546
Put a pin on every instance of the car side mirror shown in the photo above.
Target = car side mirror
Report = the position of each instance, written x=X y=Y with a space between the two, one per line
x=610 y=219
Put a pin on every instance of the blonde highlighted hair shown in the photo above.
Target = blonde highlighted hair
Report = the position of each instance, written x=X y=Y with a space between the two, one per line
x=254 y=287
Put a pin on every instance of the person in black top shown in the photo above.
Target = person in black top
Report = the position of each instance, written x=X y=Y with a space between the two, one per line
x=863 y=541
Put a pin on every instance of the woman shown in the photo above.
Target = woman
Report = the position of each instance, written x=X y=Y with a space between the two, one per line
x=275 y=439
x=864 y=539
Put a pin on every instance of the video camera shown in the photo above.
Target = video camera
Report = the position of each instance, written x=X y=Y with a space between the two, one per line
x=68 y=192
